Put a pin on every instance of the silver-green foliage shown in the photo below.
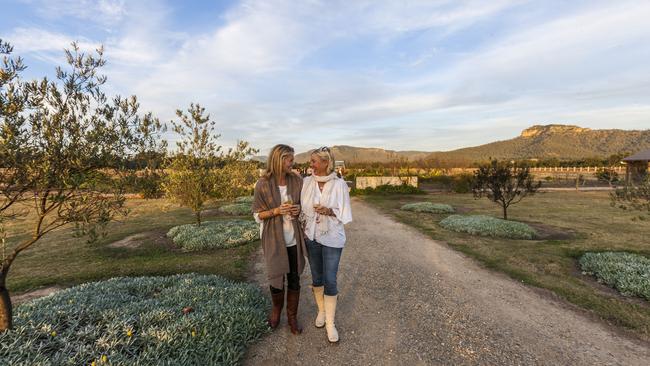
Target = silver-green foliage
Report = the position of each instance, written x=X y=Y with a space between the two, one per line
x=237 y=209
x=138 y=321
x=627 y=272
x=488 y=226
x=244 y=199
x=214 y=234
x=428 y=207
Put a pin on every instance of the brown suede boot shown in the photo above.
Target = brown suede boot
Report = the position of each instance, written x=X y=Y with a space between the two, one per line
x=293 y=298
x=276 y=311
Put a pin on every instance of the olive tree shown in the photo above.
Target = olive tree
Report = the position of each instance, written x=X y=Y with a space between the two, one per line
x=503 y=183
x=237 y=174
x=60 y=139
x=200 y=171
x=608 y=175
x=633 y=198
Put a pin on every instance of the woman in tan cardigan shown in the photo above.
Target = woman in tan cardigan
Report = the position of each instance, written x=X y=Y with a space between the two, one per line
x=276 y=205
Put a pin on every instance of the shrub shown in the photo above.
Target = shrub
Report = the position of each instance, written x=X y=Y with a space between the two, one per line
x=607 y=175
x=627 y=272
x=504 y=183
x=214 y=234
x=488 y=226
x=237 y=209
x=428 y=207
x=138 y=321
x=387 y=189
x=244 y=199
x=462 y=183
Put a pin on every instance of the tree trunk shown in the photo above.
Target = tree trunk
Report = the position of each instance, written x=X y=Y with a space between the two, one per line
x=505 y=212
x=198 y=218
x=5 y=306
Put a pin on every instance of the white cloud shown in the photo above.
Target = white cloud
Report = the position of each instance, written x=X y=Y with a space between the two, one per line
x=559 y=55
x=106 y=12
x=258 y=70
x=26 y=40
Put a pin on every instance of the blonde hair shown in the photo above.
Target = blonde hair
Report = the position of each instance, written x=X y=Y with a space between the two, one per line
x=324 y=153
x=275 y=163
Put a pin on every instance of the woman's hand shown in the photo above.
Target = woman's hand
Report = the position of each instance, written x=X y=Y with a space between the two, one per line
x=324 y=210
x=285 y=209
x=295 y=210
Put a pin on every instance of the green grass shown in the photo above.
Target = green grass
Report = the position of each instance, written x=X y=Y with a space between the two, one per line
x=594 y=225
x=60 y=259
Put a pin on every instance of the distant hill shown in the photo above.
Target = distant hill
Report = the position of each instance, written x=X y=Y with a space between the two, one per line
x=536 y=142
x=367 y=154
x=260 y=158
x=555 y=141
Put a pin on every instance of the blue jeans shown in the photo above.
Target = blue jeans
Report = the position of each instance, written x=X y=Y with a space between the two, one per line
x=324 y=264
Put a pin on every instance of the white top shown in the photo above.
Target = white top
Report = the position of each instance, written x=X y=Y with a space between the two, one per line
x=327 y=230
x=287 y=225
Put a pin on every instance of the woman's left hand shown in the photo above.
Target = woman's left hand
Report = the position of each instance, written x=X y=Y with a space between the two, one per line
x=324 y=211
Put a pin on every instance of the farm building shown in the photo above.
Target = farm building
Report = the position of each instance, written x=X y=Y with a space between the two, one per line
x=636 y=168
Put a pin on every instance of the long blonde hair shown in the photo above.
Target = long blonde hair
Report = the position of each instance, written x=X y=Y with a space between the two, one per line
x=324 y=153
x=275 y=161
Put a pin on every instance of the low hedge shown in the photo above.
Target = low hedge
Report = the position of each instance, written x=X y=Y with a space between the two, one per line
x=214 y=234
x=488 y=226
x=429 y=207
x=138 y=321
x=237 y=209
x=627 y=272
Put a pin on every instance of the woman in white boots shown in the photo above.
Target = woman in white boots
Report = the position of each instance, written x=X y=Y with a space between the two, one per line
x=325 y=201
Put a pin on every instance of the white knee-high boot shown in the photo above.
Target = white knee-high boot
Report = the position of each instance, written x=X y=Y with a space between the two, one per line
x=320 y=302
x=330 y=314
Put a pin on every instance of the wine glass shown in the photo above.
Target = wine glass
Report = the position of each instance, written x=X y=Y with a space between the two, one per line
x=316 y=206
x=288 y=201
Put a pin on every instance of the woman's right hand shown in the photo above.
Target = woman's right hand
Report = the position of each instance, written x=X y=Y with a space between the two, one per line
x=285 y=209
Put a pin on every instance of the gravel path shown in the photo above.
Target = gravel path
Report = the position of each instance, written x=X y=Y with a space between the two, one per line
x=408 y=300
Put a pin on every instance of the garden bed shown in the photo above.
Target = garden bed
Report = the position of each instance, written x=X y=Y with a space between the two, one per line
x=214 y=234
x=181 y=320
x=627 y=272
x=428 y=207
x=237 y=209
x=244 y=199
x=488 y=226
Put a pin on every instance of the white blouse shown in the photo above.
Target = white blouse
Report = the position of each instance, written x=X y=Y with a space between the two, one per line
x=327 y=230
x=287 y=225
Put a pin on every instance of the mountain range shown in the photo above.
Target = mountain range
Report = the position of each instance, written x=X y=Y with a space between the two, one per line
x=564 y=142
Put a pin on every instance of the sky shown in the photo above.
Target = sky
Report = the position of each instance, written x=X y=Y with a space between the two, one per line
x=399 y=75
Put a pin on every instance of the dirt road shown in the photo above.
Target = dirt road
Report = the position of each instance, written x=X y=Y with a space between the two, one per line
x=408 y=300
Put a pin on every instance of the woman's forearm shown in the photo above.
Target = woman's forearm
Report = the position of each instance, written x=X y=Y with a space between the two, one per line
x=265 y=215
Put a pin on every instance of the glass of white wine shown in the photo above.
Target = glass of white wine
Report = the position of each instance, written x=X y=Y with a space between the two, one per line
x=316 y=206
x=288 y=201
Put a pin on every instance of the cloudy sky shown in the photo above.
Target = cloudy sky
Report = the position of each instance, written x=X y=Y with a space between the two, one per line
x=403 y=75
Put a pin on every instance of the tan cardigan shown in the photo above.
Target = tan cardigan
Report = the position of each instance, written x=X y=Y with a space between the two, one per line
x=267 y=197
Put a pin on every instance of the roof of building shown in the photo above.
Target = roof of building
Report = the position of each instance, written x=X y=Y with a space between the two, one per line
x=640 y=156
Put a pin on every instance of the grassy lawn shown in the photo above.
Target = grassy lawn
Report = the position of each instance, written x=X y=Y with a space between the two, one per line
x=60 y=259
x=582 y=221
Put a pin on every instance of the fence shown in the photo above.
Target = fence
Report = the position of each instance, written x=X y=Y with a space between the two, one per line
x=575 y=169
x=373 y=182
x=550 y=170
